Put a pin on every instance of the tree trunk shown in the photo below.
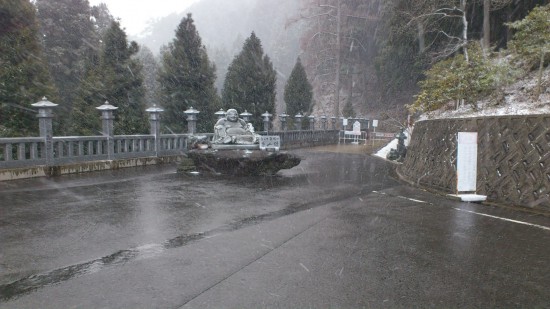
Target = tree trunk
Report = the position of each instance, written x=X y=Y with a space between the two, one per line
x=338 y=61
x=486 y=24
x=539 y=77
x=464 y=30
x=421 y=40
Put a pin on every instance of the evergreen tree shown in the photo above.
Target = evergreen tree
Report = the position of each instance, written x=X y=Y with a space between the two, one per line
x=186 y=79
x=150 y=73
x=298 y=92
x=68 y=35
x=24 y=77
x=250 y=82
x=531 y=41
x=348 y=110
x=123 y=81
x=85 y=118
x=113 y=75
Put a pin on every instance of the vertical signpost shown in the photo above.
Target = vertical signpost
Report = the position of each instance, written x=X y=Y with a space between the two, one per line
x=374 y=125
x=466 y=167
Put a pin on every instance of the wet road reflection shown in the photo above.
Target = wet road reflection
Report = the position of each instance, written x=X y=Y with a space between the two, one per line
x=367 y=231
x=60 y=221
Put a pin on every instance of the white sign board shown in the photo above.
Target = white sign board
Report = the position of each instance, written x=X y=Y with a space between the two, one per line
x=357 y=128
x=466 y=162
x=270 y=142
x=375 y=123
x=345 y=122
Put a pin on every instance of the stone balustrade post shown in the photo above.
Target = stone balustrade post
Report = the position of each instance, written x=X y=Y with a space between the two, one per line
x=311 y=119
x=45 y=116
x=191 y=114
x=324 y=122
x=107 y=124
x=154 y=121
x=220 y=114
x=267 y=120
x=298 y=122
x=246 y=116
x=283 y=118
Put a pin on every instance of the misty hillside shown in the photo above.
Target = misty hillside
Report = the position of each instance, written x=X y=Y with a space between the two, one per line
x=224 y=25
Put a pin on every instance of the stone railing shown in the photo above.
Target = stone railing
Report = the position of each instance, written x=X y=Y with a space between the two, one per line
x=297 y=139
x=52 y=155
x=32 y=151
x=513 y=157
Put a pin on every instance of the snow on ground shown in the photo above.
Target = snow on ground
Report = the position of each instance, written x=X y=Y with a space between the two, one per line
x=382 y=153
x=515 y=99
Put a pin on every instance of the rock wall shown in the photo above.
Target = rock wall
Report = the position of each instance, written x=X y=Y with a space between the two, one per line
x=513 y=157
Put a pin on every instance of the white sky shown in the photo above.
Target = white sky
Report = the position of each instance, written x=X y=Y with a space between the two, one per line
x=134 y=14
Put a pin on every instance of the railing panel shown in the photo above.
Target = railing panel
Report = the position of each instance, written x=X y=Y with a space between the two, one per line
x=20 y=152
x=75 y=149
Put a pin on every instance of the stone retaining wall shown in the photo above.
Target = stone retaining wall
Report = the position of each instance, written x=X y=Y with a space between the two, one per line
x=513 y=157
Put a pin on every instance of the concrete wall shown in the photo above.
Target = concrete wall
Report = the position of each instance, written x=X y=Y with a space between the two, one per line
x=513 y=157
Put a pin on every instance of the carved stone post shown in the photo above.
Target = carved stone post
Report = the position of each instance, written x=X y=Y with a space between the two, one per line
x=267 y=120
x=191 y=114
x=220 y=114
x=246 y=116
x=324 y=122
x=311 y=119
x=282 y=118
x=298 y=122
x=154 y=121
x=45 y=116
x=107 y=118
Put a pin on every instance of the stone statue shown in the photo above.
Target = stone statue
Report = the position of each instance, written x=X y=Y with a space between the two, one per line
x=233 y=130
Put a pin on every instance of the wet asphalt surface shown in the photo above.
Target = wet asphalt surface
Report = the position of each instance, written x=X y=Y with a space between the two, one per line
x=336 y=231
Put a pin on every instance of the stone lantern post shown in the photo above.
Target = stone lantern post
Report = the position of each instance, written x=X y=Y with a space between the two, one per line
x=191 y=114
x=283 y=119
x=107 y=118
x=267 y=120
x=246 y=116
x=311 y=119
x=220 y=114
x=298 y=123
x=154 y=121
x=45 y=116
x=324 y=122
x=107 y=125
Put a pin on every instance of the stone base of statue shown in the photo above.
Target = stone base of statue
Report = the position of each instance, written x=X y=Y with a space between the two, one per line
x=237 y=162
x=235 y=147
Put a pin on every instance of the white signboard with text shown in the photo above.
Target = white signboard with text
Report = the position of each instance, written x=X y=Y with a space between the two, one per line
x=268 y=142
x=466 y=162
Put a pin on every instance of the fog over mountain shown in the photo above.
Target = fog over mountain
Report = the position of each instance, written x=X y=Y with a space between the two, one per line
x=224 y=25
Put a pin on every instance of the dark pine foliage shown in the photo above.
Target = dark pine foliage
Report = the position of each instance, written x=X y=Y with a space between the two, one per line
x=250 y=82
x=24 y=77
x=186 y=79
x=298 y=93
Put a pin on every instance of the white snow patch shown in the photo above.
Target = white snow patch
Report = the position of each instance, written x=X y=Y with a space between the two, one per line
x=516 y=99
x=383 y=153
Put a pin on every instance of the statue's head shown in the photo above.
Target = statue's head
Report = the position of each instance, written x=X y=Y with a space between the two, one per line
x=232 y=115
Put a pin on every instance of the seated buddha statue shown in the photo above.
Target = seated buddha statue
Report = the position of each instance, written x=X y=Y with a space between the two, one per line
x=233 y=130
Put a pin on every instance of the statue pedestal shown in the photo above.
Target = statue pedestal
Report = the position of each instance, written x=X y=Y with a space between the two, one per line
x=238 y=162
x=235 y=147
